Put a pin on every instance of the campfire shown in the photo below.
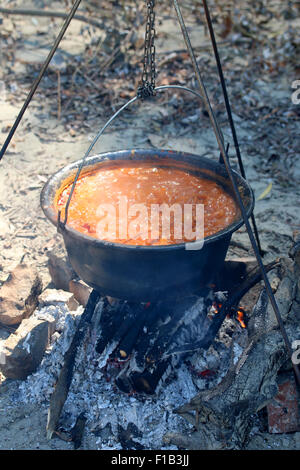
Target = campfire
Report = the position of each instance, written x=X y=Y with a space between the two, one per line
x=191 y=373
x=141 y=344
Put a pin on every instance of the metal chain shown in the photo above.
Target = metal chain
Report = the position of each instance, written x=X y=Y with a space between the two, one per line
x=147 y=85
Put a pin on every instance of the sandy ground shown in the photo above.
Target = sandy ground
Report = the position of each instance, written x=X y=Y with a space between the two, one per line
x=42 y=145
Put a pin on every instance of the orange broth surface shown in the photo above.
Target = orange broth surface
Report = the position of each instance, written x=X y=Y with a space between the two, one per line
x=146 y=185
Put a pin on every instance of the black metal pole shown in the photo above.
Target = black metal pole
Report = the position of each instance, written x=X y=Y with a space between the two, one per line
x=228 y=109
x=39 y=78
x=220 y=141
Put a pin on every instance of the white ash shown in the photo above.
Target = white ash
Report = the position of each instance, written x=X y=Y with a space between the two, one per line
x=106 y=408
x=102 y=401
x=208 y=368
x=40 y=384
x=237 y=350
x=221 y=296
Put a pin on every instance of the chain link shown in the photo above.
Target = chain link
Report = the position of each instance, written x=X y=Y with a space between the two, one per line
x=147 y=85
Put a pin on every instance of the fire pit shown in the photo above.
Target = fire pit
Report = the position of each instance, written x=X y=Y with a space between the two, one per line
x=134 y=343
x=170 y=358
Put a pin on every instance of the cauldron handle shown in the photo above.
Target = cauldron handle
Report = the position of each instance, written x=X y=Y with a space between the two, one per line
x=60 y=224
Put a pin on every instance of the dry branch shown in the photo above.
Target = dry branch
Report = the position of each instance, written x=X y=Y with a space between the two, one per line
x=51 y=14
x=61 y=390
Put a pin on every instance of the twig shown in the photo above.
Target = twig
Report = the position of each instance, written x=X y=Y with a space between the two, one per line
x=53 y=14
x=95 y=86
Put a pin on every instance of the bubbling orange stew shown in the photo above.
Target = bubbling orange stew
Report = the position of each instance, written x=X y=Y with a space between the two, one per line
x=145 y=205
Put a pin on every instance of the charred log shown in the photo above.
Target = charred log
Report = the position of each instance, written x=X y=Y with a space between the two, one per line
x=144 y=342
x=61 y=390
x=225 y=412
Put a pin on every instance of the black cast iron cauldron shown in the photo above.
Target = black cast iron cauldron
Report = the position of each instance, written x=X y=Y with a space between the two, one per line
x=146 y=273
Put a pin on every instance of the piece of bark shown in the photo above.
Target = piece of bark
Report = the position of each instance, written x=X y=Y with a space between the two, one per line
x=19 y=295
x=22 y=352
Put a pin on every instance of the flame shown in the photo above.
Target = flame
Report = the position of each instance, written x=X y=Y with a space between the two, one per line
x=240 y=313
x=216 y=307
x=240 y=316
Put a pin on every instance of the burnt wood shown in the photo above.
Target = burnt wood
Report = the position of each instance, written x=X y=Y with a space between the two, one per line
x=224 y=414
x=61 y=390
x=153 y=338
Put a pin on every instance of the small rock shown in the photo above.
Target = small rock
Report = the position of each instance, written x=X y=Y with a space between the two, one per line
x=54 y=296
x=60 y=269
x=22 y=352
x=29 y=56
x=80 y=290
x=19 y=295
x=283 y=413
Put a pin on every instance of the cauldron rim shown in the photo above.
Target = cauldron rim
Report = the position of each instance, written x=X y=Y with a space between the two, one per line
x=52 y=186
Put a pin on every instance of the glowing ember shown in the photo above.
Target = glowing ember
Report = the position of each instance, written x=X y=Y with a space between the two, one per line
x=239 y=314
x=240 y=317
x=216 y=307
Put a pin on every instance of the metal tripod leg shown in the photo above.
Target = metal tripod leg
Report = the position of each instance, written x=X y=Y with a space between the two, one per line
x=228 y=109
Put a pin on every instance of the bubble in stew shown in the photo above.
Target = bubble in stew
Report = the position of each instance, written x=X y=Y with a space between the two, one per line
x=146 y=205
